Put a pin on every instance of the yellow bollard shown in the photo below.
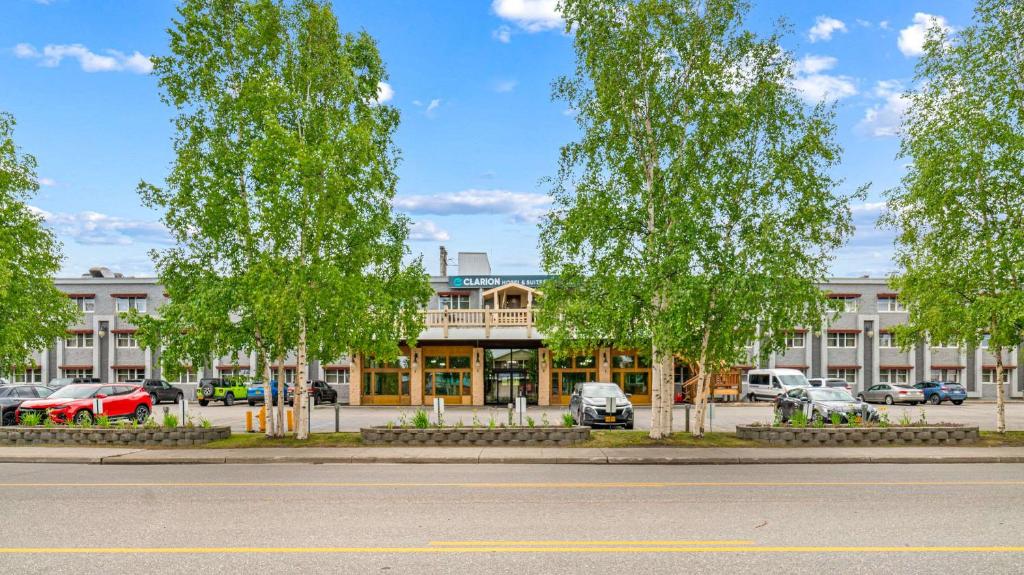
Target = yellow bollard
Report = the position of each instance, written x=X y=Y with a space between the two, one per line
x=263 y=419
x=248 y=422
x=291 y=420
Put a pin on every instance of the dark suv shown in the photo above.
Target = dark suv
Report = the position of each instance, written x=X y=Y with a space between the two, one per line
x=159 y=390
x=322 y=393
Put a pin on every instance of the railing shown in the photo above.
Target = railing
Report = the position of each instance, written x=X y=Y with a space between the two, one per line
x=723 y=384
x=485 y=318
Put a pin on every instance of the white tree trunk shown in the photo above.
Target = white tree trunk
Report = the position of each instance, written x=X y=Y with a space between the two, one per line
x=300 y=385
x=657 y=427
x=282 y=424
x=668 y=388
x=1000 y=393
x=700 y=399
x=268 y=395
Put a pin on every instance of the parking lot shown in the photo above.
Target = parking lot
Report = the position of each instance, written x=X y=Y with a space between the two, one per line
x=724 y=417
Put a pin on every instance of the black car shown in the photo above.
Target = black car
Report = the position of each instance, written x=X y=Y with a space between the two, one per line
x=11 y=397
x=822 y=403
x=322 y=393
x=159 y=390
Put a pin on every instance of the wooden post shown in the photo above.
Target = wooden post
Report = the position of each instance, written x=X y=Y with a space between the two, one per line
x=355 y=380
x=416 y=377
x=487 y=323
x=544 y=376
x=477 y=380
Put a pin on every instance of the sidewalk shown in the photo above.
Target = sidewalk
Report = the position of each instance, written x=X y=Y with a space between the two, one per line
x=517 y=455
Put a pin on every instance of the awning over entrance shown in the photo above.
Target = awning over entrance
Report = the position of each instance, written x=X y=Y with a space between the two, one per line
x=510 y=296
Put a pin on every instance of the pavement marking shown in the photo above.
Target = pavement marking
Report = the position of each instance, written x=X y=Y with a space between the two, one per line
x=584 y=543
x=498 y=549
x=547 y=485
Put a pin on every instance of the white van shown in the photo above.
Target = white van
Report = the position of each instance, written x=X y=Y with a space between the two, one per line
x=770 y=383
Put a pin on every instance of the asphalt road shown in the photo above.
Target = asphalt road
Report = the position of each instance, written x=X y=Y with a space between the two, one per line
x=476 y=519
x=725 y=417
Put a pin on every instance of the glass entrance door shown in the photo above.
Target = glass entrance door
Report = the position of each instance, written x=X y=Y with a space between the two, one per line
x=510 y=373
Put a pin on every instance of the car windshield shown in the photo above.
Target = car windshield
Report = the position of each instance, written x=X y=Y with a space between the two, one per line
x=828 y=394
x=74 y=392
x=609 y=390
x=5 y=391
x=794 y=380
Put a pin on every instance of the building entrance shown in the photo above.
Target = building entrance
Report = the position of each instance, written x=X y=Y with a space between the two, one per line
x=510 y=373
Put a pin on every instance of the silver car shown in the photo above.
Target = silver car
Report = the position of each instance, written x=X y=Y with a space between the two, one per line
x=890 y=393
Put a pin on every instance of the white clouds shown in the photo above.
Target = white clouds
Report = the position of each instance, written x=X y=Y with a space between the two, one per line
x=94 y=228
x=884 y=120
x=502 y=34
x=110 y=61
x=884 y=24
x=521 y=207
x=504 y=86
x=427 y=231
x=48 y=182
x=530 y=15
x=824 y=27
x=384 y=92
x=815 y=86
x=911 y=40
x=433 y=105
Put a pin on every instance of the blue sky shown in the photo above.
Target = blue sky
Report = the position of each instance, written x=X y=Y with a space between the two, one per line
x=479 y=130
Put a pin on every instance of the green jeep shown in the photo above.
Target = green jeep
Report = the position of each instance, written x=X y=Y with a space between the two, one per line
x=221 y=389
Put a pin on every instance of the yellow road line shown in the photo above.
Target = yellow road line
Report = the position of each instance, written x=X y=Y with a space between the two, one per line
x=584 y=543
x=546 y=485
x=500 y=549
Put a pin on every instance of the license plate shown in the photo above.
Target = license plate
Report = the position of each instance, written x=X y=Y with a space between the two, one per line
x=609 y=419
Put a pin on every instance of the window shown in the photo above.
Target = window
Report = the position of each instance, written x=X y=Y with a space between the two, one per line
x=336 y=376
x=447 y=373
x=946 y=374
x=77 y=372
x=842 y=339
x=126 y=340
x=889 y=303
x=567 y=371
x=847 y=303
x=631 y=371
x=78 y=340
x=898 y=376
x=127 y=303
x=985 y=341
x=188 y=375
x=885 y=339
x=944 y=345
x=85 y=304
x=846 y=373
x=453 y=301
x=988 y=375
x=129 y=373
x=795 y=340
x=29 y=375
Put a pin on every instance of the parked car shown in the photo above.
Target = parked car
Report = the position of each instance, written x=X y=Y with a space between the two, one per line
x=254 y=394
x=889 y=394
x=12 y=396
x=589 y=405
x=226 y=389
x=771 y=383
x=322 y=393
x=75 y=403
x=59 y=382
x=830 y=382
x=823 y=401
x=935 y=392
x=159 y=390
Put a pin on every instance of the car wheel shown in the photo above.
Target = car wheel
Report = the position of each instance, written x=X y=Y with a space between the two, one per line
x=141 y=412
x=860 y=398
x=179 y=398
x=9 y=418
x=83 y=417
x=818 y=418
x=888 y=400
x=751 y=398
x=204 y=402
x=957 y=401
x=154 y=398
x=316 y=400
x=629 y=425
x=229 y=399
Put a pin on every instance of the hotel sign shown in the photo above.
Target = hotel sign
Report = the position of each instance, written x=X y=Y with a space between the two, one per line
x=487 y=282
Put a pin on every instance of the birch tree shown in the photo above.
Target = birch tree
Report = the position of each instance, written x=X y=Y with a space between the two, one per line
x=282 y=186
x=33 y=312
x=697 y=205
x=959 y=210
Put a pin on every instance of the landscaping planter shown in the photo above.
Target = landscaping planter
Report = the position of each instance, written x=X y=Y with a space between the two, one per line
x=149 y=437
x=469 y=436
x=859 y=436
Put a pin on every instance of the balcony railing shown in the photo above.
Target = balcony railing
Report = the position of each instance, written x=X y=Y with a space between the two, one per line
x=485 y=318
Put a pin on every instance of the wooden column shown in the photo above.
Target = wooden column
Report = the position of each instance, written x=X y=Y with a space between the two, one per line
x=544 y=376
x=604 y=364
x=478 y=376
x=355 y=379
x=416 y=377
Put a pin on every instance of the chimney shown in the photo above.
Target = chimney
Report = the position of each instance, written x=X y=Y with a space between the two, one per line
x=444 y=262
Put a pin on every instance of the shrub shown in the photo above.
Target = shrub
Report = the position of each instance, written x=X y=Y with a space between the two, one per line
x=567 y=420
x=421 y=420
x=798 y=419
x=30 y=419
x=853 y=420
x=530 y=422
x=836 y=418
x=883 y=419
x=170 y=420
x=905 y=419
x=544 y=419
x=150 y=423
x=103 y=421
x=205 y=423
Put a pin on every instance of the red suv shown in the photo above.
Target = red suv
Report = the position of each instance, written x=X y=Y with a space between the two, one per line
x=75 y=403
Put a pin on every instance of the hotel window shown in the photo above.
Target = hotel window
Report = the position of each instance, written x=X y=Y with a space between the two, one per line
x=85 y=304
x=632 y=372
x=944 y=345
x=188 y=375
x=233 y=371
x=988 y=375
x=890 y=303
x=126 y=341
x=336 y=376
x=849 y=374
x=77 y=372
x=795 y=340
x=567 y=371
x=78 y=340
x=951 y=375
x=842 y=339
x=127 y=303
x=847 y=303
x=129 y=374
x=453 y=301
x=30 y=375
x=447 y=373
x=885 y=339
x=897 y=376
x=985 y=341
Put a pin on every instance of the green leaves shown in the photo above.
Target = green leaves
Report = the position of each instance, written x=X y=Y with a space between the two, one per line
x=33 y=313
